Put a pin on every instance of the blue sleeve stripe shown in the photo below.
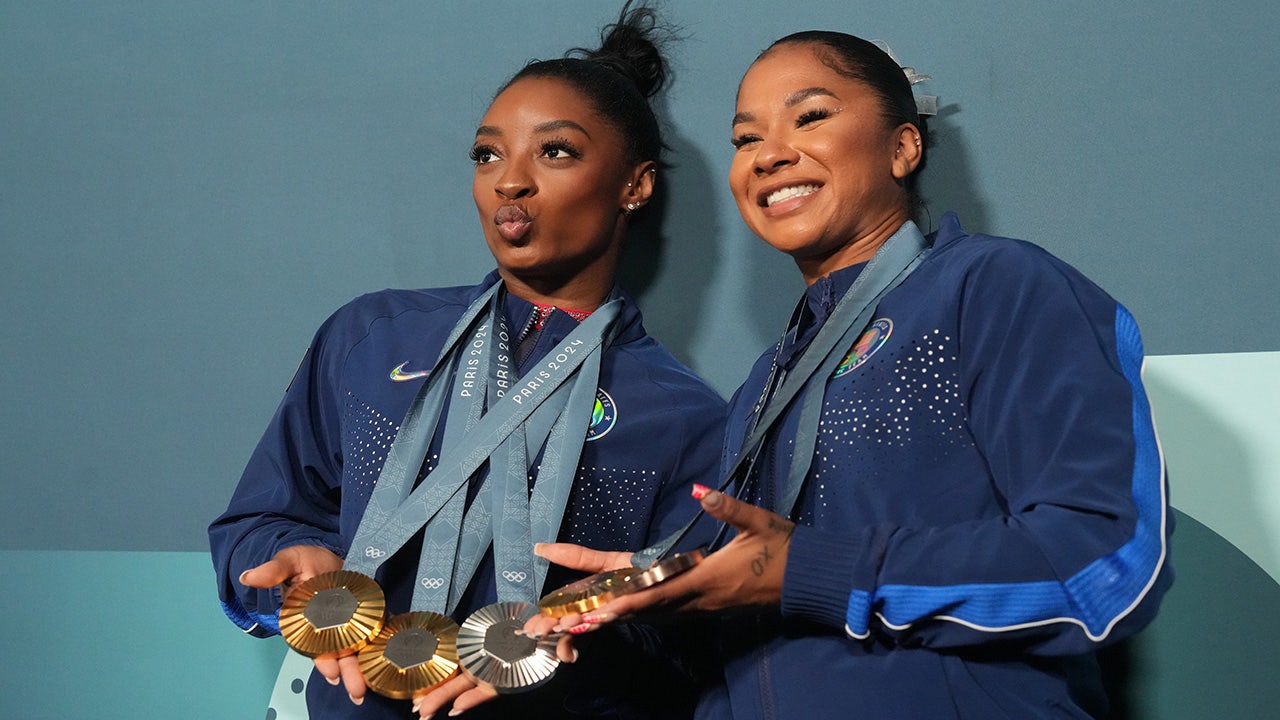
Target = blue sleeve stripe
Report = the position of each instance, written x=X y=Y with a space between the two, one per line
x=1097 y=597
x=249 y=621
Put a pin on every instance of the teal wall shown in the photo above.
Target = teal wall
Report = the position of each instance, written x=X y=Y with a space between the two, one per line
x=188 y=189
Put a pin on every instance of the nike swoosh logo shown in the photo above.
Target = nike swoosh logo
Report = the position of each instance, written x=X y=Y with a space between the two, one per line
x=399 y=375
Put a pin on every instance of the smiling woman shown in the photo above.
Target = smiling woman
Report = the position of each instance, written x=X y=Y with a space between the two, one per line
x=944 y=477
x=846 y=198
x=431 y=436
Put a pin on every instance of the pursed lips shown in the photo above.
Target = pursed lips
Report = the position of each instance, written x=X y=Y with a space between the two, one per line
x=512 y=221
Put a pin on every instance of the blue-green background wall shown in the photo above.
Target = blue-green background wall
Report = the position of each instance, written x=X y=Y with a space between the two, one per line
x=188 y=189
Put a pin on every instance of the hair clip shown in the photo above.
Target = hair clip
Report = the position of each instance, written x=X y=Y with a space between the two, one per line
x=925 y=104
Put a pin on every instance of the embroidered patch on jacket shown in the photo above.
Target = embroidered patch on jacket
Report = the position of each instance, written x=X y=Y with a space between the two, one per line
x=603 y=416
x=399 y=375
x=871 y=341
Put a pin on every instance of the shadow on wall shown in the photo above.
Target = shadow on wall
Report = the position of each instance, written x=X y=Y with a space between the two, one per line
x=669 y=278
x=948 y=180
x=1213 y=649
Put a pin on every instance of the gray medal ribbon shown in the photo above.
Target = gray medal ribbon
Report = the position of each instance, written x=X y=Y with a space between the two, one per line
x=482 y=364
x=891 y=264
x=409 y=448
x=477 y=527
x=515 y=520
x=451 y=475
x=560 y=466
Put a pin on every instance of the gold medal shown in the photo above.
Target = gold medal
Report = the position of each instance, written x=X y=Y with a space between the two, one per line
x=334 y=612
x=591 y=592
x=415 y=652
x=493 y=652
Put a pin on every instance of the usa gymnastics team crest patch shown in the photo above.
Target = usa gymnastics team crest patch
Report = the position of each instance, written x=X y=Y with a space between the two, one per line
x=871 y=341
x=603 y=416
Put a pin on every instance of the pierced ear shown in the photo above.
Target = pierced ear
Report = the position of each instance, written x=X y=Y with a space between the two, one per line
x=908 y=150
x=639 y=187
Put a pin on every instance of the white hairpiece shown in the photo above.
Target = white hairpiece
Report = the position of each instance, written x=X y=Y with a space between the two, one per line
x=925 y=104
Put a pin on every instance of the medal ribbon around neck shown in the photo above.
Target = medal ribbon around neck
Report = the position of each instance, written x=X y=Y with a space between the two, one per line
x=891 y=264
x=480 y=379
x=341 y=611
x=458 y=463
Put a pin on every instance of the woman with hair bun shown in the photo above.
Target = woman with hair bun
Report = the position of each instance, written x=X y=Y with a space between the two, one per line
x=564 y=157
x=944 y=479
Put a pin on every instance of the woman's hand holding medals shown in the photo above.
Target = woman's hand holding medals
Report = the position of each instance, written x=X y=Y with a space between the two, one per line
x=291 y=567
x=746 y=574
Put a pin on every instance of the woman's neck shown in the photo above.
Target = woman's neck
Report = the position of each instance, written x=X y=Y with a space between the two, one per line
x=578 y=295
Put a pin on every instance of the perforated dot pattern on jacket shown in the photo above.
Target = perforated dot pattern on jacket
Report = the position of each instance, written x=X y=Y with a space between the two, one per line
x=368 y=437
x=608 y=503
x=910 y=396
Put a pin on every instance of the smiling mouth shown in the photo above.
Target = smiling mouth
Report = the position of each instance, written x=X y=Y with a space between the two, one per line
x=787 y=193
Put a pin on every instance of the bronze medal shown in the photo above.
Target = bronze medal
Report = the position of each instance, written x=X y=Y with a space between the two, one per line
x=415 y=652
x=591 y=592
x=334 y=612
x=492 y=653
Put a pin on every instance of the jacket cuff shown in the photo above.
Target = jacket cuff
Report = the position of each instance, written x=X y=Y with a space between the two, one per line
x=821 y=567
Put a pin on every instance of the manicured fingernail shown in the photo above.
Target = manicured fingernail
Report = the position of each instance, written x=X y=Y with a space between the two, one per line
x=699 y=491
x=455 y=712
x=417 y=704
x=357 y=700
x=246 y=572
x=557 y=629
x=712 y=498
x=575 y=655
x=596 y=618
x=579 y=629
x=331 y=681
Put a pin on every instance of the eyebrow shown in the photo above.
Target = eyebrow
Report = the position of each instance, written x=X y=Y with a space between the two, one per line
x=549 y=126
x=791 y=100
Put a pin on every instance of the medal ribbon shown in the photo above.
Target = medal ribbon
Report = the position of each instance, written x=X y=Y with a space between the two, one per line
x=480 y=379
x=557 y=428
x=890 y=265
x=458 y=463
x=409 y=448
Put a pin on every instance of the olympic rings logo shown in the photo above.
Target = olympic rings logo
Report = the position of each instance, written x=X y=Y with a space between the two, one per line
x=433 y=583
x=515 y=576
x=374 y=552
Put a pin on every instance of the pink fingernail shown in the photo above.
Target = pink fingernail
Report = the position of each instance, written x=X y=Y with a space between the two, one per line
x=596 y=618
x=699 y=491
x=579 y=629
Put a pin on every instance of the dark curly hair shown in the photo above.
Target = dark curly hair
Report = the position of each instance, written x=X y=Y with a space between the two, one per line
x=619 y=77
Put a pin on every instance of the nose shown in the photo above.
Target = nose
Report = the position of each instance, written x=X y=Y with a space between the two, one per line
x=773 y=155
x=515 y=182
